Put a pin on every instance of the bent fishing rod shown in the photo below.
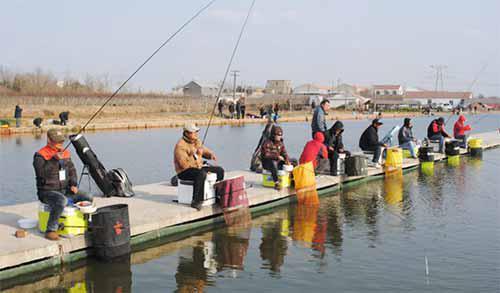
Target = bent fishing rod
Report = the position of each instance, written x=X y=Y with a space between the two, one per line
x=172 y=36
x=227 y=69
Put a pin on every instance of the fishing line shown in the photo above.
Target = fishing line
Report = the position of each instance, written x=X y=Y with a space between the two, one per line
x=227 y=70
x=200 y=11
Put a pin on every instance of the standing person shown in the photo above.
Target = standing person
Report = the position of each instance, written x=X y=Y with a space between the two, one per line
x=369 y=142
x=231 y=110
x=436 y=131
x=406 y=139
x=335 y=146
x=319 y=117
x=314 y=151
x=238 y=109
x=243 y=107
x=459 y=130
x=18 y=114
x=188 y=161
x=56 y=179
x=276 y=110
x=274 y=155
x=220 y=107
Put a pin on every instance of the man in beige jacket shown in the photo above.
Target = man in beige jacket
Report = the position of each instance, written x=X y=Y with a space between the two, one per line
x=188 y=160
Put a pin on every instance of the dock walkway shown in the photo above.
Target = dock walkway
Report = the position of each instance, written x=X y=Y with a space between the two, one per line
x=153 y=214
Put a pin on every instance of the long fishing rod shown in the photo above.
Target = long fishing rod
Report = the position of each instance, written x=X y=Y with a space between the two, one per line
x=227 y=69
x=476 y=78
x=198 y=12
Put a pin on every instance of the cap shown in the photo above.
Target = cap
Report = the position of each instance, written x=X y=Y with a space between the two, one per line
x=377 y=121
x=55 y=135
x=191 y=127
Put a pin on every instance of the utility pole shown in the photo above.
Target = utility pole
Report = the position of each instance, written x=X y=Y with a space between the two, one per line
x=234 y=73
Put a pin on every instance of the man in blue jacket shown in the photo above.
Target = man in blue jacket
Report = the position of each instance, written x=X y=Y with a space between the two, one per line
x=319 y=118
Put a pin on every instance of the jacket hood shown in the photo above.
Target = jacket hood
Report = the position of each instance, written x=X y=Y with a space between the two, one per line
x=276 y=130
x=338 y=125
x=462 y=118
x=319 y=137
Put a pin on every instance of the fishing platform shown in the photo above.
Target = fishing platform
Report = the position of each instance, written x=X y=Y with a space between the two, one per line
x=154 y=214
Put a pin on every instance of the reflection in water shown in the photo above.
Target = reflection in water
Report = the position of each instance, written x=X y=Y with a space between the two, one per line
x=274 y=245
x=113 y=276
x=19 y=141
x=191 y=273
x=393 y=186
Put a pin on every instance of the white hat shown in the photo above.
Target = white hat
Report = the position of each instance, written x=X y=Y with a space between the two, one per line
x=191 y=127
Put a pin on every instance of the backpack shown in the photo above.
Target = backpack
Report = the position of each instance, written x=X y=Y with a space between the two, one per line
x=121 y=183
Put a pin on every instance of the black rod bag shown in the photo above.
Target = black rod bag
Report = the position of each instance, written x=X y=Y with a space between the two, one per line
x=96 y=168
x=110 y=230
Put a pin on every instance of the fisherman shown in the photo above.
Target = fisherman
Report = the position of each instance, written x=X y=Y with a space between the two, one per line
x=64 y=117
x=231 y=109
x=18 y=114
x=406 y=139
x=274 y=155
x=188 y=160
x=276 y=110
x=56 y=179
x=314 y=151
x=238 y=109
x=243 y=107
x=369 y=142
x=335 y=146
x=319 y=117
x=220 y=107
x=436 y=131
x=459 y=130
x=38 y=122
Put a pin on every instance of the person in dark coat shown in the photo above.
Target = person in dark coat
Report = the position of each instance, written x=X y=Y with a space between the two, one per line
x=18 y=114
x=274 y=155
x=220 y=107
x=276 y=110
x=406 y=139
x=64 y=117
x=238 y=109
x=335 y=146
x=231 y=110
x=436 y=131
x=369 y=141
x=243 y=107
x=319 y=118
x=56 y=179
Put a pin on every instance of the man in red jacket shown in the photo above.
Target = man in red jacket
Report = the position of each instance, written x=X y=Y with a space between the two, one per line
x=459 y=130
x=314 y=150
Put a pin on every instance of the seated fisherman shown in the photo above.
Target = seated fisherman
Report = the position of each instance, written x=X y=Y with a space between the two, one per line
x=436 y=131
x=335 y=146
x=459 y=130
x=406 y=139
x=274 y=155
x=188 y=160
x=56 y=179
x=369 y=142
x=314 y=151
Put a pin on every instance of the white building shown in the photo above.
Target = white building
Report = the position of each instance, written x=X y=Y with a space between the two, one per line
x=441 y=99
x=347 y=101
x=311 y=89
x=388 y=90
x=279 y=87
x=197 y=89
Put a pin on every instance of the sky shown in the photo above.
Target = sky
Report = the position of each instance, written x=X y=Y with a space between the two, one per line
x=361 y=42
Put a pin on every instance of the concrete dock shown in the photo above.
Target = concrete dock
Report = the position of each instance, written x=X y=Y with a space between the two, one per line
x=153 y=215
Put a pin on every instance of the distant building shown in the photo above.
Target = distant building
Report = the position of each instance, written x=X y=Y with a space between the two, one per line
x=279 y=87
x=312 y=89
x=396 y=103
x=349 y=101
x=346 y=89
x=440 y=99
x=197 y=89
x=388 y=90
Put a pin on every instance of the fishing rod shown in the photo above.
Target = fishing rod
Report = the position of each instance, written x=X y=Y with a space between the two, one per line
x=181 y=28
x=227 y=69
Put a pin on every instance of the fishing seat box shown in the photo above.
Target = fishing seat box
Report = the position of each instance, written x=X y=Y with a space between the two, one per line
x=283 y=177
x=356 y=165
x=452 y=148
x=231 y=193
x=71 y=223
x=185 y=191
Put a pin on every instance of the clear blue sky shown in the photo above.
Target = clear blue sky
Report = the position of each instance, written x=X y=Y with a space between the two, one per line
x=362 y=42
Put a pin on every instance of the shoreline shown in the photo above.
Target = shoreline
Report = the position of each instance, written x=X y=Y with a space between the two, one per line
x=154 y=122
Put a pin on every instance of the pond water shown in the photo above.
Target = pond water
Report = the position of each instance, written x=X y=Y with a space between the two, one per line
x=375 y=236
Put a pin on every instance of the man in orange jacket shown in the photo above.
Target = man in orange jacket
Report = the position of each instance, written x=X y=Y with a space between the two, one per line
x=56 y=179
